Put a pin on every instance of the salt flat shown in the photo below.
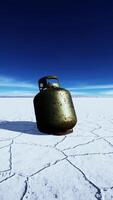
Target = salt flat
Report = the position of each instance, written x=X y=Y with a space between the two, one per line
x=38 y=166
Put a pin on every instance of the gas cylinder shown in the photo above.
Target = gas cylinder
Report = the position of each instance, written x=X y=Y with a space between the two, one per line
x=54 y=109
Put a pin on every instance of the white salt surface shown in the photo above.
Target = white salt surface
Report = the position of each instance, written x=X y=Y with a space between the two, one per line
x=37 y=166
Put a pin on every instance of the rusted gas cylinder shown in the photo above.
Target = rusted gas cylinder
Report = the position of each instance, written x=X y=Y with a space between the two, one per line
x=54 y=108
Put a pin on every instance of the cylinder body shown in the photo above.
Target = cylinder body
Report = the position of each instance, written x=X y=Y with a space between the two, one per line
x=54 y=111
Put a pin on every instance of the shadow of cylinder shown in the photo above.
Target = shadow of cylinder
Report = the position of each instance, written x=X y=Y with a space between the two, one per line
x=26 y=127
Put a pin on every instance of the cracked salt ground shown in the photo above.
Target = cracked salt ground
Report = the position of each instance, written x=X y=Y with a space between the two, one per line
x=31 y=159
x=37 y=166
x=12 y=188
x=56 y=183
x=83 y=130
x=4 y=159
x=110 y=140
x=4 y=144
x=96 y=168
x=40 y=140
x=72 y=142
x=94 y=146
x=7 y=134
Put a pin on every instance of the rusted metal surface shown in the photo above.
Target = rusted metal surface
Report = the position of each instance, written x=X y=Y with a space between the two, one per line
x=54 y=110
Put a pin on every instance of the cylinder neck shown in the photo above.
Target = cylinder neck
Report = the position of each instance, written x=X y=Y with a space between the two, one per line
x=48 y=82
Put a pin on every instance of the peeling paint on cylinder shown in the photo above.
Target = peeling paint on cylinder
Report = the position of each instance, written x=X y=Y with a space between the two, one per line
x=54 y=109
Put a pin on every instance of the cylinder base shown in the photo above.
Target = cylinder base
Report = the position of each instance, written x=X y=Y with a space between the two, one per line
x=56 y=132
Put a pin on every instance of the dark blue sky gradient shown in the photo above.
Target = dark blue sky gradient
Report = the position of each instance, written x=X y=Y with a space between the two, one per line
x=72 y=39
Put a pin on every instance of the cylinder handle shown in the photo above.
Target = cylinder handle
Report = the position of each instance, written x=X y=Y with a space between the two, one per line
x=48 y=82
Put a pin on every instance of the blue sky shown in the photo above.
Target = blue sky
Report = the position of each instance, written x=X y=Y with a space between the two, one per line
x=73 y=40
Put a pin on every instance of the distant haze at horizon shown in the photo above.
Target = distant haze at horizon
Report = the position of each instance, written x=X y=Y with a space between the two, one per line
x=71 y=40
